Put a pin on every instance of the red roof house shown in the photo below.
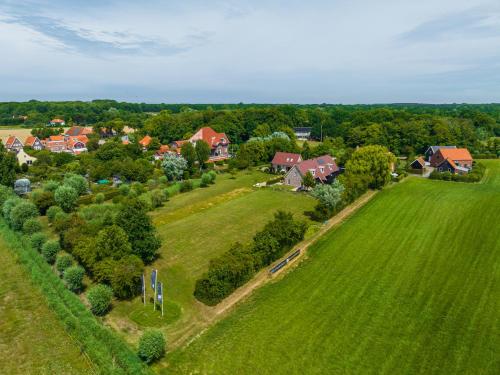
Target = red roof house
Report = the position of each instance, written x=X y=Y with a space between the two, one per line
x=283 y=161
x=323 y=168
x=33 y=142
x=218 y=142
x=145 y=142
x=13 y=144
x=459 y=156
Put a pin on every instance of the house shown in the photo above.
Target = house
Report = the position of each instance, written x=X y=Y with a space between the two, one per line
x=76 y=145
x=34 y=143
x=55 y=143
x=145 y=142
x=449 y=165
x=13 y=144
x=176 y=146
x=324 y=169
x=284 y=161
x=459 y=156
x=164 y=149
x=418 y=164
x=24 y=158
x=78 y=130
x=218 y=143
x=302 y=133
x=57 y=122
x=433 y=149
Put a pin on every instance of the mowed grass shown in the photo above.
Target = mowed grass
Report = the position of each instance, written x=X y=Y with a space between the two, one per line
x=195 y=228
x=410 y=284
x=32 y=341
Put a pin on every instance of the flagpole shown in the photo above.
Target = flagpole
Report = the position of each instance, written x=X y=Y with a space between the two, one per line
x=156 y=287
x=162 y=298
x=144 y=287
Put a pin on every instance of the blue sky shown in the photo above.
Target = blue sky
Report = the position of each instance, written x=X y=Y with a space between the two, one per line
x=338 y=51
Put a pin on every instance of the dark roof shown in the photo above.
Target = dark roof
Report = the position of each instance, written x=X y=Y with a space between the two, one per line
x=435 y=148
x=322 y=166
x=302 y=129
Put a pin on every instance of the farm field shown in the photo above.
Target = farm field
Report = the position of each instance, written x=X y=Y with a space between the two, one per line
x=196 y=227
x=32 y=340
x=21 y=133
x=408 y=285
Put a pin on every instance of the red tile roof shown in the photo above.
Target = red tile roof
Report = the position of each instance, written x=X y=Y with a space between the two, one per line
x=320 y=167
x=163 y=149
x=145 y=141
x=455 y=153
x=286 y=158
x=30 y=141
x=78 y=130
x=57 y=120
x=10 y=141
x=210 y=136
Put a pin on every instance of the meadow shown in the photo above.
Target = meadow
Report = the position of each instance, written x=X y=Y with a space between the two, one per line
x=407 y=285
x=32 y=340
x=196 y=227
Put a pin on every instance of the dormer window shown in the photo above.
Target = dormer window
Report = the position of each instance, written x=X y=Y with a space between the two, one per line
x=321 y=169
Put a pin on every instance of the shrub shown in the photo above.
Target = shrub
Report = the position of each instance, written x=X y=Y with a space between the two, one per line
x=163 y=180
x=213 y=176
x=73 y=276
x=20 y=213
x=138 y=188
x=206 y=179
x=43 y=200
x=9 y=205
x=77 y=182
x=63 y=262
x=32 y=226
x=52 y=212
x=99 y=297
x=99 y=198
x=157 y=198
x=186 y=186
x=66 y=197
x=37 y=240
x=5 y=193
x=51 y=186
x=50 y=250
x=151 y=346
x=124 y=189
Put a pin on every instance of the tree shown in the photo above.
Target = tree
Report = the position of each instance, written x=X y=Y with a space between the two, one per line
x=151 y=346
x=112 y=242
x=77 y=182
x=99 y=297
x=174 y=166
x=202 y=152
x=308 y=180
x=139 y=228
x=206 y=179
x=126 y=276
x=306 y=151
x=5 y=193
x=52 y=211
x=63 y=262
x=372 y=164
x=73 y=276
x=37 y=240
x=32 y=226
x=20 y=213
x=329 y=196
x=189 y=153
x=8 y=165
x=50 y=250
x=66 y=197
x=43 y=200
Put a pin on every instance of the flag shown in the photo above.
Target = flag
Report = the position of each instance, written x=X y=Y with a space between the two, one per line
x=159 y=292
x=153 y=279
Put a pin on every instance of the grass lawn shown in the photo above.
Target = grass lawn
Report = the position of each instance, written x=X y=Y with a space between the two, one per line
x=410 y=284
x=196 y=227
x=32 y=341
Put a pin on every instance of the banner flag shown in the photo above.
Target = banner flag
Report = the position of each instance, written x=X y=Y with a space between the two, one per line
x=153 y=279
x=160 y=292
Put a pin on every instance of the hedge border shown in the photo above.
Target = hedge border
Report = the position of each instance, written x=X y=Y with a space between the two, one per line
x=104 y=348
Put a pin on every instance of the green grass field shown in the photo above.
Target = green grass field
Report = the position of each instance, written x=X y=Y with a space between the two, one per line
x=32 y=341
x=410 y=284
x=196 y=227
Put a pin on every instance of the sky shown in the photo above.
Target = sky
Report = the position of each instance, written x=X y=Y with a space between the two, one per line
x=251 y=51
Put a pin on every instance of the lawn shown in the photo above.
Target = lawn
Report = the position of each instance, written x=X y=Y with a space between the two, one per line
x=196 y=227
x=32 y=341
x=410 y=284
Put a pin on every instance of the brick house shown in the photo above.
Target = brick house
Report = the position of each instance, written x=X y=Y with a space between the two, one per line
x=34 y=143
x=284 y=161
x=75 y=131
x=218 y=143
x=57 y=122
x=459 y=156
x=323 y=168
x=433 y=149
x=145 y=142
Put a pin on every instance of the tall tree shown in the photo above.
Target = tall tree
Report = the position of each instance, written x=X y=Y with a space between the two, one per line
x=8 y=164
x=202 y=152
x=189 y=153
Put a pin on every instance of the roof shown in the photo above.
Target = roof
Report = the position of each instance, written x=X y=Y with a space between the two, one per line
x=10 y=141
x=455 y=153
x=78 y=130
x=81 y=138
x=145 y=141
x=435 y=148
x=30 y=141
x=420 y=160
x=302 y=129
x=163 y=149
x=178 y=144
x=322 y=166
x=210 y=136
x=57 y=120
x=286 y=158
x=55 y=138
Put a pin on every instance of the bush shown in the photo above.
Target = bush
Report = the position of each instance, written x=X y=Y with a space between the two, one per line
x=66 y=197
x=151 y=346
x=99 y=297
x=21 y=213
x=163 y=180
x=186 y=186
x=51 y=186
x=138 y=188
x=206 y=179
x=43 y=200
x=213 y=176
x=32 y=226
x=50 y=250
x=37 y=240
x=157 y=198
x=99 y=198
x=52 y=212
x=5 y=193
x=73 y=276
x=124 y=189
x=63 y=262
x=77 y=182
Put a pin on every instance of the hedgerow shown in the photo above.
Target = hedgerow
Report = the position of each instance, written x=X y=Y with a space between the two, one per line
x=108 y=352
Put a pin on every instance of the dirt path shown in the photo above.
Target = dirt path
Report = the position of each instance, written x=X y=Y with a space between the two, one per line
x=214 y=314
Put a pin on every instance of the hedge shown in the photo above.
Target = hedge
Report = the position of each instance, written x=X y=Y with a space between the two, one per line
x=106 y=350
